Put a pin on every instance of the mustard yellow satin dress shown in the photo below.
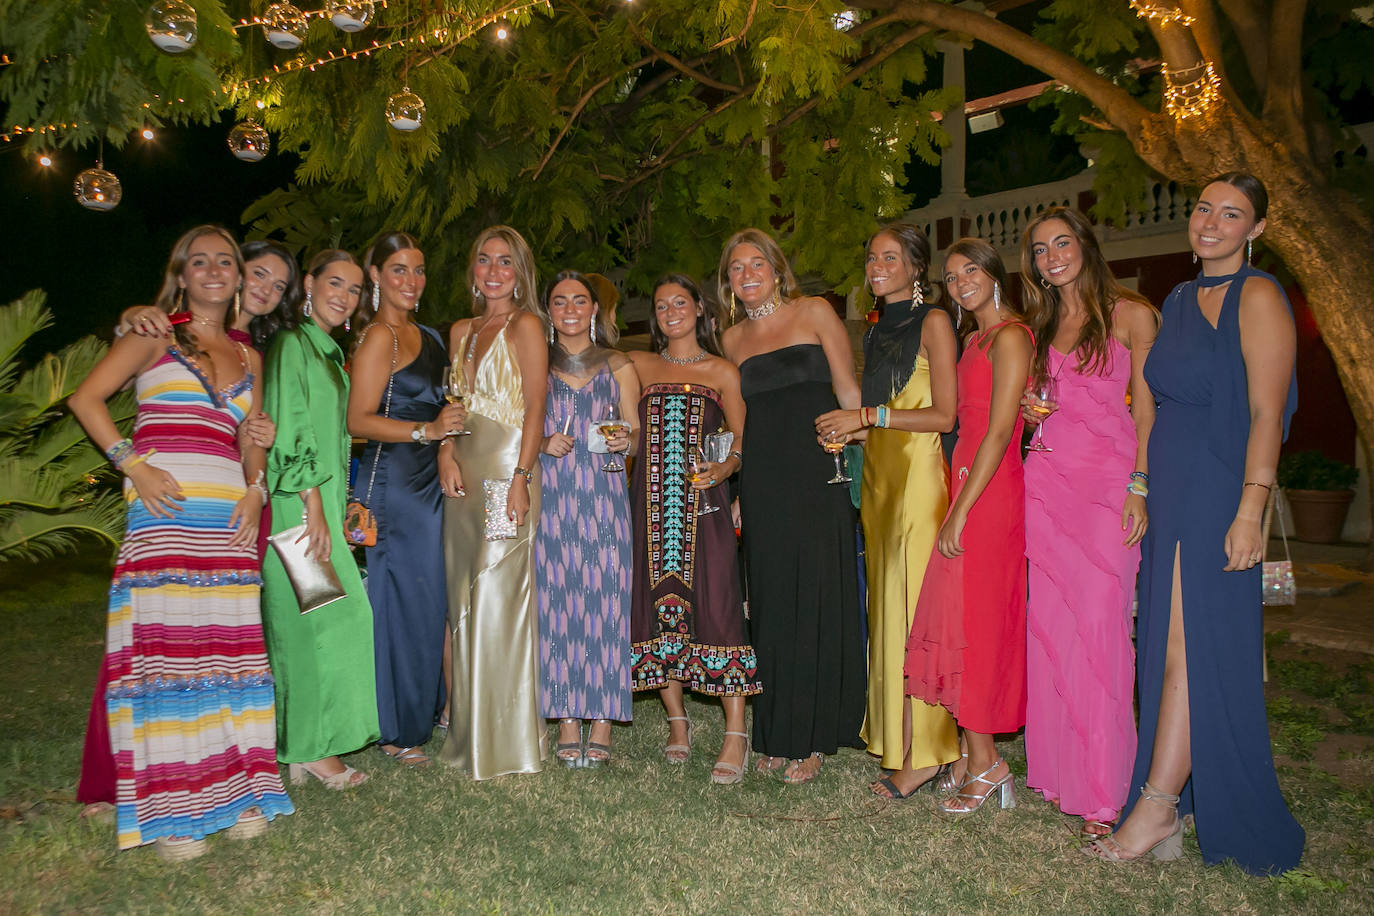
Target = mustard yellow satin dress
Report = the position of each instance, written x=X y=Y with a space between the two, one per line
x=904 y=498
x=495 y=727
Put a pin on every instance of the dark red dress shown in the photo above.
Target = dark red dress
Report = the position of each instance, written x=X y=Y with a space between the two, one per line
x=967 y=648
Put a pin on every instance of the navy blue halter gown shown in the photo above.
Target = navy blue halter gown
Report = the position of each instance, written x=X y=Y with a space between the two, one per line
x=405 y=571
x=1197 y=464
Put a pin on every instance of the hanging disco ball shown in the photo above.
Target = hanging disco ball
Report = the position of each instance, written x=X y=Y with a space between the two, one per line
x=283 y=25
x=405 y=110
x=349 y=15
x=249 y=141
x=171 y=25
x=97 y=189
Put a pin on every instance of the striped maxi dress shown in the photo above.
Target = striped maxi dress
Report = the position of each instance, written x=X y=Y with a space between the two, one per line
x=190 y=699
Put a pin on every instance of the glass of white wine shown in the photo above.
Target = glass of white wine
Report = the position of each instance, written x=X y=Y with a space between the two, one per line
x=453 y=393
x=835 y=447
x=609 y=426
x=696 y=460
x=1044 y=404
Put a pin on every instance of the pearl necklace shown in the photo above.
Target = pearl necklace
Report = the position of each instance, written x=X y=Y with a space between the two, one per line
x=684 y=360
x=763 y=311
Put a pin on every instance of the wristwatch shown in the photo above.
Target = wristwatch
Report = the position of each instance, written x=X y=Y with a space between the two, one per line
x=418 y=434
x=522 y=472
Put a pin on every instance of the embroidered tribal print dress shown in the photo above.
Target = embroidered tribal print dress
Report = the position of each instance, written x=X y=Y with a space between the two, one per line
x=189 y=700
x=686 y=618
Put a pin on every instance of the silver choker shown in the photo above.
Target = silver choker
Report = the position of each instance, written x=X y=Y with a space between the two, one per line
x=763 y=311
x=684 y=361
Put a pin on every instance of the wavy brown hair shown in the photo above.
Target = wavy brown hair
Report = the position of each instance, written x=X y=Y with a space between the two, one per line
x=707 y=321
x=167 y=298
x=1098 y=290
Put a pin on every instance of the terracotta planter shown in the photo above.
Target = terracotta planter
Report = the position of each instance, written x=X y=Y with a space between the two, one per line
x=1319 y=515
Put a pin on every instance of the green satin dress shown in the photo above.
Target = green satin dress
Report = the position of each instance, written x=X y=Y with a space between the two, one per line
x=322 y=662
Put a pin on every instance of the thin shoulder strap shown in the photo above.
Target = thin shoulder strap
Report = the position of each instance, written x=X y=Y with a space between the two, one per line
x=386 y=410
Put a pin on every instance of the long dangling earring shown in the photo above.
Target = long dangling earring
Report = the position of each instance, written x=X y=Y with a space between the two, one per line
x=732 y=305
x=234 y=312
x=552 y=335
x=348 y=324
x=417 y=306
x=591 y=330
x=179 y=300
x=308 y=309
x=997 y=297
x=1249 y=249
x=918 y=298
x=376 y=298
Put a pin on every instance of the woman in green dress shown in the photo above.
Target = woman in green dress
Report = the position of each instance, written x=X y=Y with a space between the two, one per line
x=322 y=661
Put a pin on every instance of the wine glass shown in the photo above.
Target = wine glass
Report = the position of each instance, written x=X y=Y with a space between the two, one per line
x=453 y=393
x=1045 y=402
x=696 y=459
x=835 y=447
x=609 y=425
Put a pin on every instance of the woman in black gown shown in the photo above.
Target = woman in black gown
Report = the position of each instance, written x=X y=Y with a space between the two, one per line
x=795 y=364
x=395 y=401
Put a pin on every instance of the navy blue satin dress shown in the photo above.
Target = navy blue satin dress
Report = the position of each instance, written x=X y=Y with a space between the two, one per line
x=1197 y=465
x=405 y=571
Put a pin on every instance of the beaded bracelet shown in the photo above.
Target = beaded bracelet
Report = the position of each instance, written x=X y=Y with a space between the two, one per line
x=1141 y=476
x=882 y=417
x=120 y=452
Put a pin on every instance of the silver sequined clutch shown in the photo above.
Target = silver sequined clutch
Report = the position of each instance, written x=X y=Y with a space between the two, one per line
x=717 y=447
x=315 y=583
x=499 y=526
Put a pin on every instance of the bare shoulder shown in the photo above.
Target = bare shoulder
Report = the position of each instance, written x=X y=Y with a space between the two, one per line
x=1262 y=295
x=1008 y=339
x=456 y=332
x=819 y=312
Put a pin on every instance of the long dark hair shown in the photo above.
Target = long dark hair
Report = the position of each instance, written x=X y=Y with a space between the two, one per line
x=168 y=299
x=283 y=317
x=316 y=265
x=387 y=244
x=707 y=321
x=985 y=257
x=1098 y=290
x=1251 y=187
x=604 y=336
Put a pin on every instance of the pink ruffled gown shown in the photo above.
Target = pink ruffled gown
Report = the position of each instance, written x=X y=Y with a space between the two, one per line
x=1080 y=667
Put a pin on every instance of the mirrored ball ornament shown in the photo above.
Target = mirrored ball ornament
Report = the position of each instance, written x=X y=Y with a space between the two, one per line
x=283 y=25
x=350 y=15
x=97 y=189
x=249 y=141
x=171 y=25
x=405 y=110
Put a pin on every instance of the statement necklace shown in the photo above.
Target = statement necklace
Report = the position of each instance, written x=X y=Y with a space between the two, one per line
x=763 y=311
x=685 y=360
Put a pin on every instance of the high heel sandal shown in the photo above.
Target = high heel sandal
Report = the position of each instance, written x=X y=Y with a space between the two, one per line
x=933 y=783
x=948 y=785
x=1005 y=787
x=678 y=753
x=596 y=753
x=570 y=753
x=798 y=777
x=1166 y=850
x=725 y=773
x=412 y=758
x=337 y=781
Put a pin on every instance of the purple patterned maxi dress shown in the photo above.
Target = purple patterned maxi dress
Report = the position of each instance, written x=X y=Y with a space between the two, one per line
x=582 y=562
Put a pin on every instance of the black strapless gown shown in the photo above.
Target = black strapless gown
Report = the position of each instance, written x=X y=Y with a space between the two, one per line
x=805 y=615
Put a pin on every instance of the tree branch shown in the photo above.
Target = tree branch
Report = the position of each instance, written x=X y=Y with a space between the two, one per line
x=577 y=110
x=1247 y=19
x=1283 y=102
x=678 y=65
x=665 y=159
x=858 y=70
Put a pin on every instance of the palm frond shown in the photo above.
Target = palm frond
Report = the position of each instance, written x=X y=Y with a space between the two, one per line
x=20 y=320
x=30 y=535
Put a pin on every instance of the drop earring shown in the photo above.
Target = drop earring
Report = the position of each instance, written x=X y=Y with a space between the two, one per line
x=348 y=324
x=1194 y=257
x=515 y=291
x=552 y=336
x=309 y=308
x=476 y=293
x=376 y=298
x=234 y=313
x=1249 y=249
x=591 y=331
x=917 y=298
x=732 y=305
x=997 y=297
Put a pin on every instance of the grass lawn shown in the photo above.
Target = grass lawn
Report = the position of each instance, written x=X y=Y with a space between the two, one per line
x=639 y=836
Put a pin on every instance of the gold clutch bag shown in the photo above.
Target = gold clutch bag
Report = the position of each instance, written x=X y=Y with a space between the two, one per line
x=499 y=526
x=315 y=583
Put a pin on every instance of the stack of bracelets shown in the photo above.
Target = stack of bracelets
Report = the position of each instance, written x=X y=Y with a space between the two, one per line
x=123 y=455
x=874 y=416
x=1140 y=484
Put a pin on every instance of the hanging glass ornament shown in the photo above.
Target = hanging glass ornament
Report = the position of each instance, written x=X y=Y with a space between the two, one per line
x=171 y=25
x=97 y=189
x=283 y=25
x=349 y=15
x=405 y=110
x=249 y=141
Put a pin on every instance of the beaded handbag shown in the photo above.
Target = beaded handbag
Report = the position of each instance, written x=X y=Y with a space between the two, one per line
x=1279 y=590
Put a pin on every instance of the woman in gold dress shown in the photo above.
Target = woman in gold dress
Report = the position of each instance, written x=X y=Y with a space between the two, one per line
x=490 y=476
x=909 y=393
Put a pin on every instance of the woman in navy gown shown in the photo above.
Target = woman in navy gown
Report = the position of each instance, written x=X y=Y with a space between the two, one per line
x=396 y=403
x=1222 y=373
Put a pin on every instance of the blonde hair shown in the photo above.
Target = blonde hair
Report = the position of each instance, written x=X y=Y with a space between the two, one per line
x=772 y=253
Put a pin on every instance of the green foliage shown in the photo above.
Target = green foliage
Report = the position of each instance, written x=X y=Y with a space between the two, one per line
x=50 y=474
x=1311 y=470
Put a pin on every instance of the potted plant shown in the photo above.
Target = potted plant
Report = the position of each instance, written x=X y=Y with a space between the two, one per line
x=1319 y=490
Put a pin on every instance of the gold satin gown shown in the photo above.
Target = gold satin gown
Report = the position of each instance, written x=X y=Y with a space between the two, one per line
x=904 y=498
x=494 y=711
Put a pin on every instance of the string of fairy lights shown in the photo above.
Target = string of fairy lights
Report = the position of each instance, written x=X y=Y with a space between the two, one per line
x=1189 y=93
